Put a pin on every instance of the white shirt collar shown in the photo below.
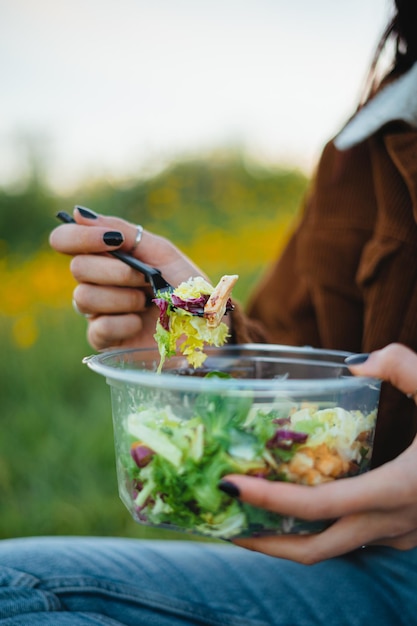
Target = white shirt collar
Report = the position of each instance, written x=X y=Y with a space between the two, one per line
x=396 y=101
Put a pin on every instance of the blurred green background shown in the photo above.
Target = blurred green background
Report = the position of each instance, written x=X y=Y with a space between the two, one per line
x=57 y=470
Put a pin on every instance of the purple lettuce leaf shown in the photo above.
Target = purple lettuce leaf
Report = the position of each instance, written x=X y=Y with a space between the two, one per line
x=285 y=439
x=163 y=306
x=192 y=305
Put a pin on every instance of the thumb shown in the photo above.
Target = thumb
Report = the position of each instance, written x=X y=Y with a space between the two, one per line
x=396 y=364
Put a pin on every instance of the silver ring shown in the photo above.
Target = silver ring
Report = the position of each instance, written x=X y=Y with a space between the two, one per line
x=139 y=233
x=77 y=310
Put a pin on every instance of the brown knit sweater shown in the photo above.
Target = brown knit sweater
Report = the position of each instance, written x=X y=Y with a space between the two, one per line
x=347 y=279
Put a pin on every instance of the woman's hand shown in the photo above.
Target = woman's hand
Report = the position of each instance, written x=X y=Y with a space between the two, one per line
x=378 y=507
x=112 y=294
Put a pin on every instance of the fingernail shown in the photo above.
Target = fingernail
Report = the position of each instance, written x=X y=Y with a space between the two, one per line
x=87 y=213
x=229 y=488
x=113 y=238
x=356 y=359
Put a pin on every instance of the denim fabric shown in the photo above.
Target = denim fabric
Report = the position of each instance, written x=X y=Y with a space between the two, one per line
x=84 y=581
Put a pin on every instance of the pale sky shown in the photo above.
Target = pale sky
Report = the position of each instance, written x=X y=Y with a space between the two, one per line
x=113 y=87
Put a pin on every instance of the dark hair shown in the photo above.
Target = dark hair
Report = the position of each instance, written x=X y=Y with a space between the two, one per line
x=402 y=29
x=401 y=32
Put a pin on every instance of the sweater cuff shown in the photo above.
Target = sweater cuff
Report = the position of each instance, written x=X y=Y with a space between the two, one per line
x=243 y=329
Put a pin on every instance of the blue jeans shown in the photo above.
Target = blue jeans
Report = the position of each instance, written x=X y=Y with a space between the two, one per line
x=79 y=581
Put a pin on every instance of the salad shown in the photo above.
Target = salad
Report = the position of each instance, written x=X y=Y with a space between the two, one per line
x=190 y=318
x=172 y=465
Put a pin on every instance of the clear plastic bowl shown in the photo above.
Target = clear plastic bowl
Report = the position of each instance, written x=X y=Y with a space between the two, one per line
x=271 y=411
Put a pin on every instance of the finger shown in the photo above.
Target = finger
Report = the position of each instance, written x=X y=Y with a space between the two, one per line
x=113 y=331
x=395 y=363
x=407 y=541
x=78 y=239
x=343 y=536
x=86 y=237
x=96 y=299
x=305 y=549
x=327 y=501
x=151 y=246
x=105 y=270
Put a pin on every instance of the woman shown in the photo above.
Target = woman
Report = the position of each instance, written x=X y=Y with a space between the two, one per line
x=347 y=263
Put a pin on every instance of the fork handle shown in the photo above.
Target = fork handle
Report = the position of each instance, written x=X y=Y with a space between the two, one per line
x=152 y=274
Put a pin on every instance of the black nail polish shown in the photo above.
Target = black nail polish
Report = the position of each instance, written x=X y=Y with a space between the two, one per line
x=356 y=359
x=229 y=488
x=87 y=213
x=113 y=238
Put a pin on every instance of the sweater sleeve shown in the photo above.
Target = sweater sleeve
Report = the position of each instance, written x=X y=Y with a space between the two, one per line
x=282 y=302
x=280 y=309
x=244 y=329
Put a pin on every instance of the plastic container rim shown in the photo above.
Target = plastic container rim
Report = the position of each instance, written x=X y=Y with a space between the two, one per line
x=195 y=383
